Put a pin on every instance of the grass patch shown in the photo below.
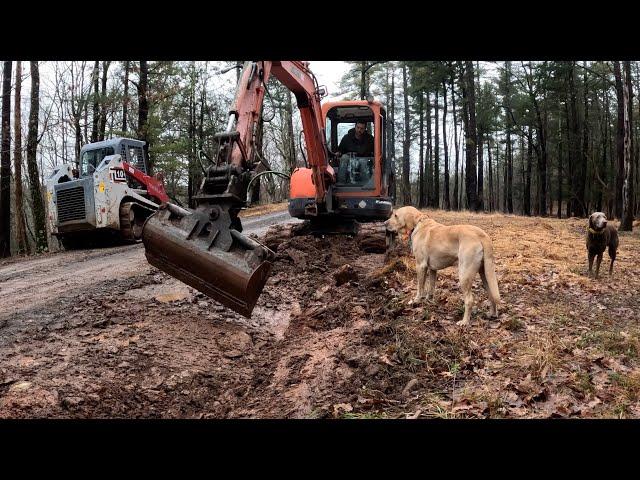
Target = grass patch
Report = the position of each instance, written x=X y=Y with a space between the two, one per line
x=583 y=383
x=616 y=343
x=542 y=356
x=628 y=384
x=514 y=324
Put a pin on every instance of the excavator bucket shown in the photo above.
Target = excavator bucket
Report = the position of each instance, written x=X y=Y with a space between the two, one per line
x=201 y=249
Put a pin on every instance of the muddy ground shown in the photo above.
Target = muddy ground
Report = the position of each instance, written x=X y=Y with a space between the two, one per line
x=100 y=333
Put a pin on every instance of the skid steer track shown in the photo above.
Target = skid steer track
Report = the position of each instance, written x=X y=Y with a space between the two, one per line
x=132 y=217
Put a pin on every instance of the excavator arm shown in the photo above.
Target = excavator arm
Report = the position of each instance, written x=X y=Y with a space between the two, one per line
x=247 y=109
x=205 y=247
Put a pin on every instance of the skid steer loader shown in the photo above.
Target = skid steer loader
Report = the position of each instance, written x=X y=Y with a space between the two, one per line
x=105 y=195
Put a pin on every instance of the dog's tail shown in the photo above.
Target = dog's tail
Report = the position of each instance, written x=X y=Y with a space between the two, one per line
x=490 y=270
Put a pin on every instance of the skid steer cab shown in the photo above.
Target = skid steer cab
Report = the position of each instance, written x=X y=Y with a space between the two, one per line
x=105 y=195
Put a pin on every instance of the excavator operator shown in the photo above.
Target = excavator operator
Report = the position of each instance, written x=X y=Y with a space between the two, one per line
x=359 y=142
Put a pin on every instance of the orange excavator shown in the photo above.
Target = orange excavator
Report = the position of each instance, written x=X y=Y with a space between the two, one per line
x=334 y=193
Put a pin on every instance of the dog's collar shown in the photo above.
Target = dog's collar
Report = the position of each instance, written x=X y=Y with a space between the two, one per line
x=595 y=232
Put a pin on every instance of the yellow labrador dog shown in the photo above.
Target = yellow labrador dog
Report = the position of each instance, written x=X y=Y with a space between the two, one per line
x=436 y=246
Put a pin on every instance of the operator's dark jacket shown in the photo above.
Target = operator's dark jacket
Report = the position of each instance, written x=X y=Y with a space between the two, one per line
x=362 y=147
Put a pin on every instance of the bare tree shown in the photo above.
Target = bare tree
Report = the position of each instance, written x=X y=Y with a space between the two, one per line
x=96 y=104
x=143 y=108
x=469 y=103
x=619 y=139
x=447 y=199
x=626 y=223
x=456 y=205
x=5 y=164
x=103 y=102
x=421 y=146
x=125 y=97
x=32 y=164
x=21 y=231
x=435 y=192
x=79 y=104
x=406 y=185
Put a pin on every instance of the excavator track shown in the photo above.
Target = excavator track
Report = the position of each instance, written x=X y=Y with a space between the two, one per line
x=132 y=217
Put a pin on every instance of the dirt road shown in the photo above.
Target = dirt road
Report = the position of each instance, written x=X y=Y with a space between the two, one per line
x=26 y=286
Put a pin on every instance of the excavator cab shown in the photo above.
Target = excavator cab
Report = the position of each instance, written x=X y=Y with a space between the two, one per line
x=364 y=175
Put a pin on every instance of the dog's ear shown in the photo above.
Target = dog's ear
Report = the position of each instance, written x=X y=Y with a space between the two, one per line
x=591 y=220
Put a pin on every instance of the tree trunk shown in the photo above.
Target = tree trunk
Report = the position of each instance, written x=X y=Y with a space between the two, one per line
x=21 y=230
x=527 y=182
x=490 y=176
x=125 y=97
x=406 y=185
x=505 y=166
x=480 y=172
x=626 y=223
x=470 y=137
x=461 y=203
x=585 y=146
x=197 y=175
x=291 y=146
x=522 y=164
x=542 y=165
x=32 y=164
x=619 y=140
x=421 y=164
x=392 y=130
x=428 y=168
x=191 y=136
x=447 y=200
x=5 y=165
x=435 y=200
x=605 y=191
x=259 y=150
x=507 y=201
x=103 y=102
x=456 y=205
x=392 y=127
x=143 y=110
x=96 y=104
x=559 y=167
x=575 y=158
x=498 y=190
x=363 y=80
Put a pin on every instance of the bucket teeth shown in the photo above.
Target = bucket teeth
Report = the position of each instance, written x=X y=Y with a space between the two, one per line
x=207 y=255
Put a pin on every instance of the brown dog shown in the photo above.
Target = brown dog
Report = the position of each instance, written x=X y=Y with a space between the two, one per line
x=600 y=235
x=436 y=246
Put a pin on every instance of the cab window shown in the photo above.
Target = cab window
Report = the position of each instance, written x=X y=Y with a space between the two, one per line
x=92 y=158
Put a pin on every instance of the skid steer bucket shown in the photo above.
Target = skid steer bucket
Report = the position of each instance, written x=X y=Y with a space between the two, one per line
x=201 y=249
